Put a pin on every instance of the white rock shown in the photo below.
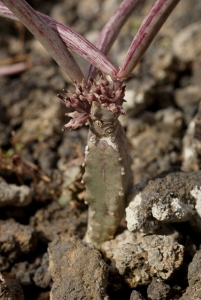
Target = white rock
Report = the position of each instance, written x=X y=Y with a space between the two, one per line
x=138 y=257
x=11 y=194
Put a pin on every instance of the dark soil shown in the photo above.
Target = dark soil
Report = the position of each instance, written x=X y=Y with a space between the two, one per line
x=163 y=98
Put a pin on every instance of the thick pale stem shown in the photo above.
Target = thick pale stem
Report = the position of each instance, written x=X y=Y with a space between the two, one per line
x=73 y=41
x=107 y=177
x=146 y=33
x=111 y=29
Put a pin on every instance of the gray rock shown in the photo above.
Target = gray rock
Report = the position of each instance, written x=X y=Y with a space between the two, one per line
x=41 y=276
x=161 y=62
x=77 y=270
x=139 y=95
x=15 y=240
x=56 y=219
x=10 y=289
x=193 y=292
x=192 y=145
x=187 y=43
x=158 y=290
x=173 y=198
x=37 y=272
x=11 y=194
x=155 y=146
x=138 y=258
x=135 y=295
x=191 y=92
x=194 y=270
x=23 y=272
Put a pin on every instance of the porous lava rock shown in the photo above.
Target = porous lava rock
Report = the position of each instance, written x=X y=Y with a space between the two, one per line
x=193 y=292
x=15 y=240
x=56 y=219
x=135 y=295
x=77 y=270
x=175 y=197
x=158 y=290
x=137 y=258
x=27 y=273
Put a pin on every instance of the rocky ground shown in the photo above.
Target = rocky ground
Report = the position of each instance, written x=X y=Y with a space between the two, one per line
x=43 y=217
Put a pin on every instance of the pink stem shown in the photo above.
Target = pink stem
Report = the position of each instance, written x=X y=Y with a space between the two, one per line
x=111 y=29
x=13 y=69
x=6 y=13
x=73 y=41
x=146 y=33
x=46 y=36
x=17 y=68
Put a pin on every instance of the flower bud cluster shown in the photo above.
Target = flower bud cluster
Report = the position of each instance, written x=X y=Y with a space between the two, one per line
x=86 y=93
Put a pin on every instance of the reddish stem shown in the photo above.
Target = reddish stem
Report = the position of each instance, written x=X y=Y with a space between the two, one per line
x=111 y=29
x=146 y=33
x=72 y=40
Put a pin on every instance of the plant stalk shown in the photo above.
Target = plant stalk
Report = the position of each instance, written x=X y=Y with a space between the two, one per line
x=108 y=176
x=112 y=28
x=145 y=35
x=69 y=37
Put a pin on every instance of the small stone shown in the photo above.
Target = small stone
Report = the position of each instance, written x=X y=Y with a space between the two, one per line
x=15 y=240
x=187 y=43
x=136 y=296
x=41 y=276
x=137 y=258
x=11 y=194
x=77 y=270
x=158 y=290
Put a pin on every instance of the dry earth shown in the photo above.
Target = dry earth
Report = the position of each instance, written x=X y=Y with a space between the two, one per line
x=42 y=212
